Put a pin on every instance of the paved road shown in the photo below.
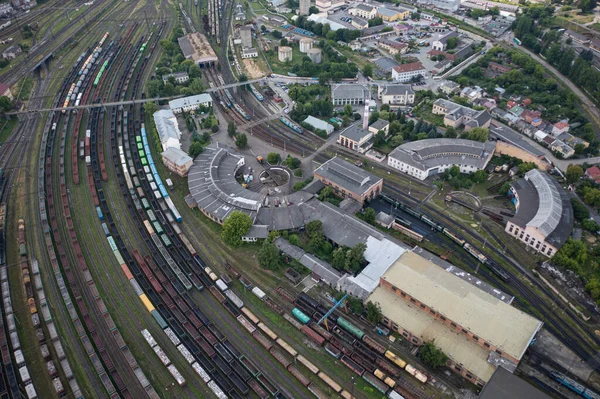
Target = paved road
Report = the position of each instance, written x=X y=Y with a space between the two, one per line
x=589 y=106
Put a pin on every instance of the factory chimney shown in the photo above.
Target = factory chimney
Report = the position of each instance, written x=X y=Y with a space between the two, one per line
x=365 y=125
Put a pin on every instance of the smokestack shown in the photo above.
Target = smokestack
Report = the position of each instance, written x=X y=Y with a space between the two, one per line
x=366 y=112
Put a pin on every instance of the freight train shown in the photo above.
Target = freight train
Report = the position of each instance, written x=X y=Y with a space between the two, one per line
x=452 y=235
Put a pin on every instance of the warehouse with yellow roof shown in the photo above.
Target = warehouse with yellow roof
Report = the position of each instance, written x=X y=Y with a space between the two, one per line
x=477 y=330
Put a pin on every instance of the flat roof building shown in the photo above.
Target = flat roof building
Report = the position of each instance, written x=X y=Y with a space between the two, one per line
x=349 y=181
x=544 y=216
x=396 y=94
x=356 y=138
x=179 y=77
x=476 y=330
x=505 y=384
x=429 y=157
x=196 y=47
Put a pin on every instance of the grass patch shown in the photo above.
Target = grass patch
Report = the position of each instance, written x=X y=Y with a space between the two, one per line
x=6 y=128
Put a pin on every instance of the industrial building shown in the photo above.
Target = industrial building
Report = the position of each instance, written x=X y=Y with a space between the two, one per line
x=178 y=77
x=349 y=181
x=177 y=161
x=442 y=43
x=478 y=331
x=364 y=11
x=429 y=157
x=246 y=36
x=319 y=124
x=168 y=129
x=450 y=5
x=190 y=103
x=544 y=215
x=505 y=384
x=196 y=47
x=353 y=94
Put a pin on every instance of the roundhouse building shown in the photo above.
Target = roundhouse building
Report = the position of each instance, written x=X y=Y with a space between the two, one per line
x=425 y=158
x=544 y=217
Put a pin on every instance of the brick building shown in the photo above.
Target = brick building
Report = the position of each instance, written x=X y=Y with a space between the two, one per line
x=349 y=181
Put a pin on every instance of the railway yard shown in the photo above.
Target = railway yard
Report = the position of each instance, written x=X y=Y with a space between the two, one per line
x=113 y=286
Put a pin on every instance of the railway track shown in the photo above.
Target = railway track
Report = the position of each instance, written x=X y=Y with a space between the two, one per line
x=554 y=324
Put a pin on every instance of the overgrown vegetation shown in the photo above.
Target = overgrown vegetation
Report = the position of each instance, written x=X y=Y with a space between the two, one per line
x=235 y=227
x=461 y=180
x=432 y=355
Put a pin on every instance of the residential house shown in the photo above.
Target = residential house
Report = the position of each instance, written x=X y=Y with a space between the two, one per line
x=563 y=149
x=592 y=173
x=529 y=116
x=510 y=104
x=449 y=87
x=498 y=68
x=395 y=95
x=406 y=72
x=559 y=128
x=5 y=91
x=472 y=93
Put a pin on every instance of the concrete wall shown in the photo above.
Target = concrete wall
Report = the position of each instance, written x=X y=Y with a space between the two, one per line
x=503 y=148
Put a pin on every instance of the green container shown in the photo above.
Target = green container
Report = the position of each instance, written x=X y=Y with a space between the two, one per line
x=22 y=250
x=300 y=315
x=351 y=328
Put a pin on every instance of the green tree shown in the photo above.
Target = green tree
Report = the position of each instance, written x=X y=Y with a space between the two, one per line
x=580 y=211
x=195 y=149
x=263 y=28
x=231 y=129
x=450 y=133
x=268 y=256
x=432 y=355
x=294 y=240
x=355 y=305
x=478 y=134
x=451 y=43
x=374 y=314
x=150 y=108
x=5 y=103
x=236 y=226
x=313 y=10
x=574 y=173
x=348 y=110
x=273 y=158
x=368 y=70
x=276 y=34
x=355 y=257
x=504 y=189
x=526 y=167
x=592 y=197
x=314 y=227
x=479 y=176
x=241 y=140
x=396 y=140
x=243 y=78
x=370 y=215
x=339 y=259
x=214 y=128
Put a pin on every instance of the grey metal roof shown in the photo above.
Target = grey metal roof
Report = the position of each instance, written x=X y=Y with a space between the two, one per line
x=508 y=135
x=430 y=153
x=355 y=132
x=387 y=12
x=258 y=231
x=317 y=266
x=397 y=90
x=365 y=7
x=386 y=64
x=543 y=204
x=379 y=124
x=186 y=46
x=444 y=39
x=318 y=124
x=348 y=91
x=347 y=175
x=176 y=156
x=504 y=384
x=166 y=125
x=191 y=100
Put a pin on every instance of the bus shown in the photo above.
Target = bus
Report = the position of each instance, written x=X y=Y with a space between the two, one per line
x=517 y=41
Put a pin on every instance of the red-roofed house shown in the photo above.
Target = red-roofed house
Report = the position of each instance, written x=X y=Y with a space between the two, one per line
x=529 y=116
x=592 y=173
x=510 y=104
x=526 y=102
x=559 y=128
x=405 y=72
x=5 y=91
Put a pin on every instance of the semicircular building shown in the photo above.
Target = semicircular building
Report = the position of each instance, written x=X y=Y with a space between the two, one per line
x=429 y=157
